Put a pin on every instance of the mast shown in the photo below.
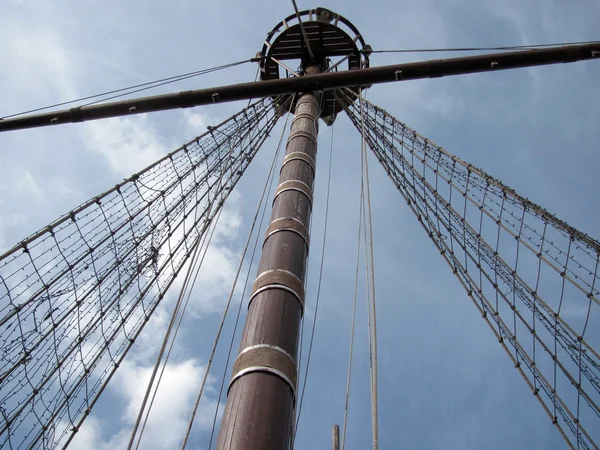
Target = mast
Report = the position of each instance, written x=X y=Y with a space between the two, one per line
x=263 y=391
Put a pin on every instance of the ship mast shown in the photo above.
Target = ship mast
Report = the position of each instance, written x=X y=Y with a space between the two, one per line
x=263 y=389
x=263 y=394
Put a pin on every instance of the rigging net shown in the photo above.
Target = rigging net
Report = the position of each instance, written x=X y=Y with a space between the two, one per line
x=75 y=295
x=533 y=278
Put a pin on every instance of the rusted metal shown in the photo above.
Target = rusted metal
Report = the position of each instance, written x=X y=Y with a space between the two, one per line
x=262 y=395
x=310 y=83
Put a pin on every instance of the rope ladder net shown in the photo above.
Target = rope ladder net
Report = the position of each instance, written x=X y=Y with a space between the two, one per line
x=75 y=295
x=533 y=277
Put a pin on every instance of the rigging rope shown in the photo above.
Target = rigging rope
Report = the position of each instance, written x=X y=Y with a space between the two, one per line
x=312 y=335
x=174 y=317
x=143 y=86
x=476 y=49
x=196 y=271
x=207 y=368
x=466 y=214
x=370 y=283
x=267 y=188
x=360 y=219
x=189 y=294
x=195 y=265
x=76 y=294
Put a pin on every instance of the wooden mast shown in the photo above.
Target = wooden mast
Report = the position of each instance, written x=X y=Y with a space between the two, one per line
x=263 y=391
x=262 y=395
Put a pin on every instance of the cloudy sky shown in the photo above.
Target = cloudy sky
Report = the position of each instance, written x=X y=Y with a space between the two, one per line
x=444 y=380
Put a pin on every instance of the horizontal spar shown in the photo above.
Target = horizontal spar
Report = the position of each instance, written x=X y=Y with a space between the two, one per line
x=309 y=83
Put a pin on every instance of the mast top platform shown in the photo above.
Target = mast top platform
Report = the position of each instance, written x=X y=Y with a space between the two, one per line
x=329 y=35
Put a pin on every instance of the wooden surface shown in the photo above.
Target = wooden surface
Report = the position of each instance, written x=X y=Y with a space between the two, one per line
x=260 y=406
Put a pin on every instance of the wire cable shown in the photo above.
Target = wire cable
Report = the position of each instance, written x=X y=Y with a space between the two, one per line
x=166 y=82
x=312 y=334
x=371 y=282
x=477 y=49
x=143 y=86
x=360 y=217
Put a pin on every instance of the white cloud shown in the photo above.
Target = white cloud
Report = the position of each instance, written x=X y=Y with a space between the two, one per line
x=219 y=262
x=21 y=183
x=15 y=185
x=8 y=221
x=170 y=413
x=39 y=53
x=28 y=183
x=173 y=401
x=196 y=122
x=128 y=144
x=214 y=280
x=89 y=435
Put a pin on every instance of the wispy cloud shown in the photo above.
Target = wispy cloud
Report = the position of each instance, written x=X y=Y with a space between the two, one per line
x=170 y=412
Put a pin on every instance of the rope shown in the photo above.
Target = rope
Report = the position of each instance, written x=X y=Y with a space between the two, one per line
x=360 y=217
x=368 y=294
x=267 y=187
x=371 y=281
x=143 y=86
x=312 y=56
x=196 y=272
x=477 y=49
x=312 y=336
x=168 y=332
x=207 y=369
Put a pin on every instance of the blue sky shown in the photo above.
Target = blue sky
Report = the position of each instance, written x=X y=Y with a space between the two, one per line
x=444 y=381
